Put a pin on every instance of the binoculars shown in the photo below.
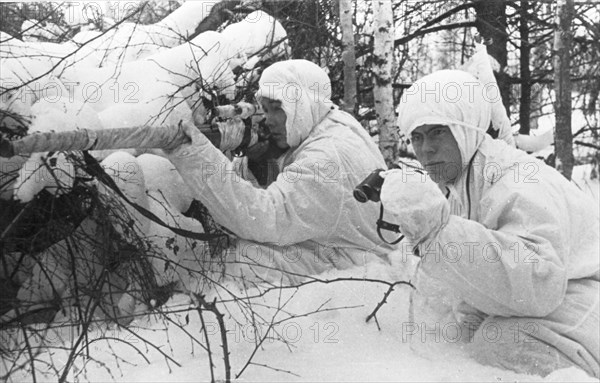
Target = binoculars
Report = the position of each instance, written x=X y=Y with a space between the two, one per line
x=370 y=188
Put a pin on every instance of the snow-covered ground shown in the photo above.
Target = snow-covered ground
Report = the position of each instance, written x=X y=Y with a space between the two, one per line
x=334 y=344
x=330 y=346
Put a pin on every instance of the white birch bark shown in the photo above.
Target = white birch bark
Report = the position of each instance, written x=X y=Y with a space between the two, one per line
x=348 y=56
x=383 y=59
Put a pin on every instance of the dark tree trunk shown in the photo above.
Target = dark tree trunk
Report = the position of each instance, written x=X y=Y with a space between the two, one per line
x=219 y=13
x=491 y=25
x=525 y=105
x=563 y=138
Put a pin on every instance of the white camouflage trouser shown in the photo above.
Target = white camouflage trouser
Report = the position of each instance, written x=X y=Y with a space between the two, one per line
x=568 y=336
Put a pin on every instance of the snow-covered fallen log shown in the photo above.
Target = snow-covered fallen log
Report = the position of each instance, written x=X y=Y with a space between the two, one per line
x=156 y=87
x=180 y=73
x=257 y=34
x=130 y=41
x=162 y=90
x=27 y=76
x=28 y=67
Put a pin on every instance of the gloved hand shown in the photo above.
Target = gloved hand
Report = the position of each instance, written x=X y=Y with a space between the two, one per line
x=416 y=203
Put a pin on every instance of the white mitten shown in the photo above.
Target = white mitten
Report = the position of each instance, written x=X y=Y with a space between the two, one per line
x=416 y=203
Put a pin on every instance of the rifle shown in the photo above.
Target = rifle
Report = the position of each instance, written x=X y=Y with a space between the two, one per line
x=141 y=137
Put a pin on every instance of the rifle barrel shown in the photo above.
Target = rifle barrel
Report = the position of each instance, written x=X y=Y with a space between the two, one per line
x=141 y=137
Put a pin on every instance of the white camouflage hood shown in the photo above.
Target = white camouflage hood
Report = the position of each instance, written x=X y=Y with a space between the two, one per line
x=304 y=90
x=448 y=97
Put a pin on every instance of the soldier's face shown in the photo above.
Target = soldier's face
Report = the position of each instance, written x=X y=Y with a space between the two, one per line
x=275 y=120
x=438 y=152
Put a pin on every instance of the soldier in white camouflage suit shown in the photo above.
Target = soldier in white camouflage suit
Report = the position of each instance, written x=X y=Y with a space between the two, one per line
x=514 y=241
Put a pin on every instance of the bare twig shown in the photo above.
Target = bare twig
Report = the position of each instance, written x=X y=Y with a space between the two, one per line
x=273 y=368
x=31 y=358
x=586 y=144
x=259 y=343
x=383 y=301
x=209 y=352
x=212 y=307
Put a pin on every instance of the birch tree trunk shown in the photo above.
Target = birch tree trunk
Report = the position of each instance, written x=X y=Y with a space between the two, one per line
x=348 y=56
x=563 y=138
x=383 y=60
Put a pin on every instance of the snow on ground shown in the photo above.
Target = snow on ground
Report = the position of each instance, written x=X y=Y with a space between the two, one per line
x=334 y=345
